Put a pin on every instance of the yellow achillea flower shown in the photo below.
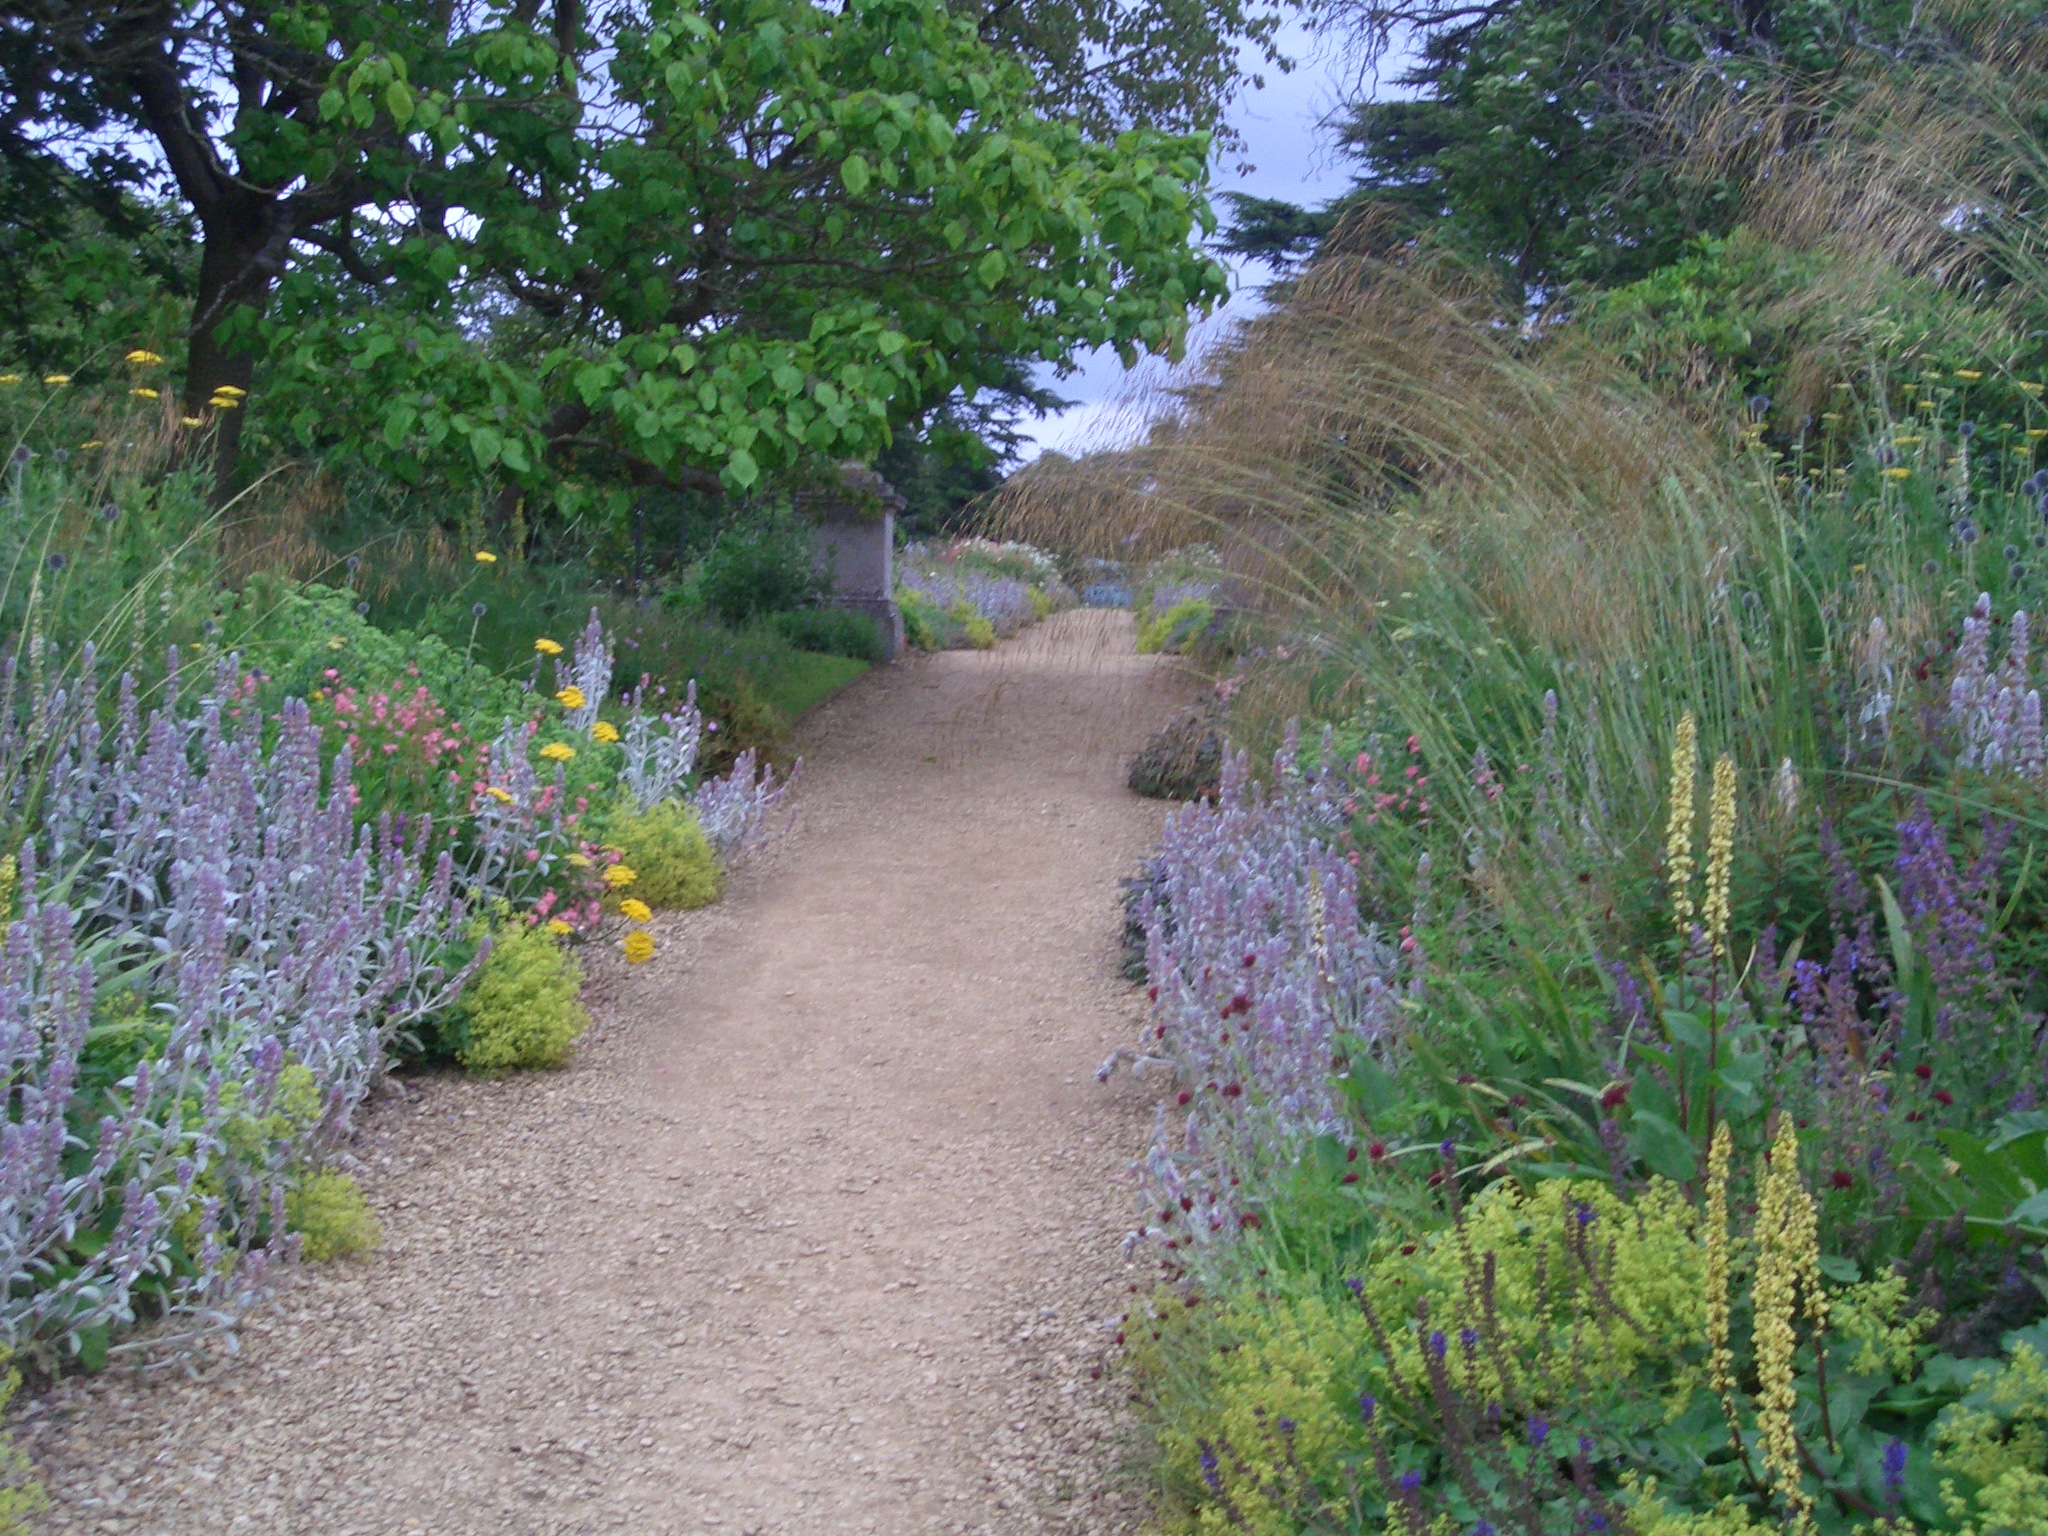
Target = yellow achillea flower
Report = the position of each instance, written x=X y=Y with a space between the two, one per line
x=1911 y=440
x=1897 y=472
x=56 y=378
x=144 y=393
x=2031 y=386
x=1678 y=838
x=1720 y=853
x=502 y=796
x=558 y=752
x=1787 y=1261
x=485 y=557
x=142 y=357
x=91 y=443
x=619 y=876
x=560 y=929
x=225 y=403
x=10 y=378
x=639 y=947
x=570 y=697
x=604 y=730
x=192 y=421
x=636 y=909
x=1969 y=375
x=2037 y=431
x=232 y=391
x=548 y=647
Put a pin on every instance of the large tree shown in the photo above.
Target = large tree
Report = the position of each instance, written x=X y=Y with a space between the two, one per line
x=661 y=240
x=1556 y=137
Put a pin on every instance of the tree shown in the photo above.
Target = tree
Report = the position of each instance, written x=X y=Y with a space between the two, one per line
x=1553 y=136
x=668 y=242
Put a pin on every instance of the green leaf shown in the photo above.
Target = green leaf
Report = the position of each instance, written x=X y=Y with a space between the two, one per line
x=990 y=268
x=741 y=469
x=398 y=102
x=853 y=171
x=1662 y=1146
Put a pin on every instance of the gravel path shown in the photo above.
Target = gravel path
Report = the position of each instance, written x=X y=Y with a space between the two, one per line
x=818 y=1234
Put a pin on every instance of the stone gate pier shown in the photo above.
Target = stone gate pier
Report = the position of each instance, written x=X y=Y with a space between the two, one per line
x=854 y=547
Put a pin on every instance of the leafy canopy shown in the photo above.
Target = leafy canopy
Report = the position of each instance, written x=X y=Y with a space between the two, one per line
x=644 y=244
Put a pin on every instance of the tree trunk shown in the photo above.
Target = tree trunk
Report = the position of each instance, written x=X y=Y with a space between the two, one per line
x=237 y=265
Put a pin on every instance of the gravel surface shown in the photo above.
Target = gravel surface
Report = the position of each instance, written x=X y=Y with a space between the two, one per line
x=820 y=1232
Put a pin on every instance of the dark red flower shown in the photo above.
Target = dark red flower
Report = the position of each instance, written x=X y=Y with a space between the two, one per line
x=1184 y=1096
x=1407 y=1249
x=1249 y=1221
x=1842 y=1178
x=1617 y=1093
x=1351 y=1154
x=1187 y=1202
x=1376 y=1151
x=1152 y=994
x=1349 y=1178
x=1943 y=1097
x=1231 y=1090
x=1923 y=1071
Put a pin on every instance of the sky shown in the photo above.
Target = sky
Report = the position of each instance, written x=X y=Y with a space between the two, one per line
x=1286 y=155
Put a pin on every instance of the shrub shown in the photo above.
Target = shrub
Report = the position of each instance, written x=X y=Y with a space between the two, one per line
x=1173 y=629
x=833 y=632
x=763 y=565
x=1182 y=760
x=922 y=619
x=21 y=1495
x=333 y=1220
x=669 y=853
x=523 y=1009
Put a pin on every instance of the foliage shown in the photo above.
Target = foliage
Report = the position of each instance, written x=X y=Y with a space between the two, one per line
x=759 y=566
x=1176 y=627
x=667 y=849
x=833 y=632
x=327 y=1210
x=680 y=307
x=1183 y=758
x=523 y=1011
x=21 y=1495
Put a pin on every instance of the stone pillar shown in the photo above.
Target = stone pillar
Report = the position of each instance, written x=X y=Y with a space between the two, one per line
x=855 y=543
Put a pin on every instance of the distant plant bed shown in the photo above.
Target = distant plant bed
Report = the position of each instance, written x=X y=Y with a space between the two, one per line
x=974 y=592
x=1176 y=600
x=833 y=632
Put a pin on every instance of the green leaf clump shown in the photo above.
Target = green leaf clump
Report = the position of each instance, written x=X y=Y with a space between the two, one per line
x=522 y=1012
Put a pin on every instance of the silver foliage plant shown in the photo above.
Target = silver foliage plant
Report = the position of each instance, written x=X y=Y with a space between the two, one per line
x=200 y=868
x=202 y=925
x=1264 y=977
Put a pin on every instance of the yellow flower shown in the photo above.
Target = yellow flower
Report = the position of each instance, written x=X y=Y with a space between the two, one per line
x=579 y=860
x=558 y=752
x=485 y=557
x=1720 y=1358
x=1897 y=472
x=570 y=697
x=1678 y=833
x=142 y=357
x=639 y=947
x=636 y=909
x=56 y=378
x=225 y=403
x=548 y=647
x=1787 y=1261
x=560 y=929
x=604 y=730
x=2030 y=386
x=2037 y=431
x=10 y=378
x=619 y=876
x=1720 y=853
x=1910 y=440
x=91 y=443
x=234 y=391
x=1969 y=375
x=143 y=394
x=502 y=796
x=192 y=421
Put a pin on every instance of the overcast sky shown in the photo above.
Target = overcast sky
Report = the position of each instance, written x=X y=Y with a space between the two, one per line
x=1286 y=155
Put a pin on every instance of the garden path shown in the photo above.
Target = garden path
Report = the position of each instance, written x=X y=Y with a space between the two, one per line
x=818 y=1234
